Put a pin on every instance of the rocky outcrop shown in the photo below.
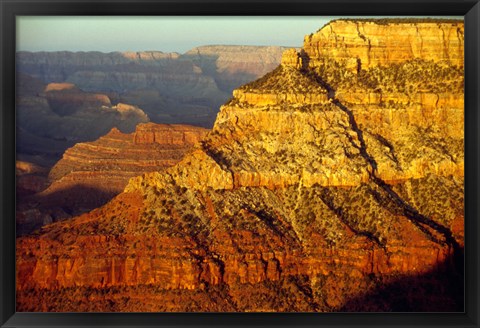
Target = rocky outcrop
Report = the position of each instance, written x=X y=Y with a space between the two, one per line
x=91 y=173
x=66 y=99
x=30 y=178
x=291 y=58
x=288 y=204
x=168 y=135
x=370 y=43
x=59 y=87
x=151 y=147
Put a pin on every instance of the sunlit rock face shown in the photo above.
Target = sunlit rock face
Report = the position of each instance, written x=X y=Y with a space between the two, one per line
x=321 y=187
x=381 y=43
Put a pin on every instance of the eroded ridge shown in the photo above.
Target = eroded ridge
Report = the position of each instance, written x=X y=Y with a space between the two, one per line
x=326 y=185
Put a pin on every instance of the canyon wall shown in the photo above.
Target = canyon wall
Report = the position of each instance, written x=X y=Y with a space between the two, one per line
x=369 y=43
x=232 y=66
x=170 y=87
x=69 y=97
x=91 y=173
x=317 y=186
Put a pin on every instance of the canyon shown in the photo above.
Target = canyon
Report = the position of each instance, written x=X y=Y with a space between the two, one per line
x=68 y=97
x=332 y=183
x=65 y=99
x=91 y=173
x=55 y=116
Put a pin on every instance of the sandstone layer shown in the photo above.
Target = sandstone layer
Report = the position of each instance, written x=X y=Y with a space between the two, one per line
x=309 y=194
x=91 y=173
x=368 y=43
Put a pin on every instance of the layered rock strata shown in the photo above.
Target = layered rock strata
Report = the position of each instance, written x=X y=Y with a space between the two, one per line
x=368 y=43
x=170 y=87
x=92 y=173
x=299 y=199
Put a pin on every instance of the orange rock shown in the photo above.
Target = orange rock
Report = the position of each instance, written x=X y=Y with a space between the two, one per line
x=287 y=204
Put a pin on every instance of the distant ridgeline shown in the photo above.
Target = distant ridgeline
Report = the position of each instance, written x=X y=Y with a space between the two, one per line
x=68 y=97
x=332 y=183
x=170 y=87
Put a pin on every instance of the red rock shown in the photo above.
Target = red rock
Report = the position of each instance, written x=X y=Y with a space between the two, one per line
x=99 y=170
x=284 y=206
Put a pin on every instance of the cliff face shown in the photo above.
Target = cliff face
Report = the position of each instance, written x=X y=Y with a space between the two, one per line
x=91 y=173
x=121 y=156
x=370 y=43
x=317 y=185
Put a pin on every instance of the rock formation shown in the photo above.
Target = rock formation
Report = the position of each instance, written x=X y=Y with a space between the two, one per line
x=53 y=117
x=91 y=173
x=64 y=98
x=232 y=66
x=170 y=87
x=366 y=42
x=320 y=188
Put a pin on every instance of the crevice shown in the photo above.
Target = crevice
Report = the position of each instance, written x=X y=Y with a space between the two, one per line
x=414 y=216
x=460 y=40
x=354 y=126
x=419 y=36
x=407 y=210
x=445 y=46
x=328 y=199
x=219 y=158
x=211 y=255
x=365 y=39
x=391 y=149
x=306 y=290
x=269 y=221
x=361 y=36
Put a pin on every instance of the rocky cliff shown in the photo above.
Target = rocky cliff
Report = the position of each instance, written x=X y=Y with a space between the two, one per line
x=91 y=173
x=367 y=43
x=318 y=186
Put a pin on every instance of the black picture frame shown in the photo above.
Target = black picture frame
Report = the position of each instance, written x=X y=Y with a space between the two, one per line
x=9 y=9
